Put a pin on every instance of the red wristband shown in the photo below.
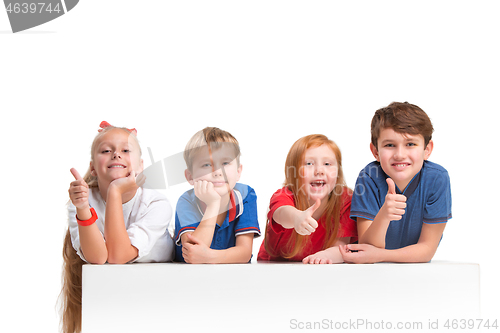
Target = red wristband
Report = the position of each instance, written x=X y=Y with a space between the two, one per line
x=90 y=221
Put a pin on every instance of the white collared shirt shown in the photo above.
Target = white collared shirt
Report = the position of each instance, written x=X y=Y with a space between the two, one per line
x=146 y=216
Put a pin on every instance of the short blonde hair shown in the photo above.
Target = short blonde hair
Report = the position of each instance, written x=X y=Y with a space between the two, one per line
x=213 y=136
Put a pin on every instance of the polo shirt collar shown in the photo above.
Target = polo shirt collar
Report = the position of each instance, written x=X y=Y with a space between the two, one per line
x=412 y=185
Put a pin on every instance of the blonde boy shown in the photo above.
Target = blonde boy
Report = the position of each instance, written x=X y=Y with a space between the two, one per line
x=216 y=221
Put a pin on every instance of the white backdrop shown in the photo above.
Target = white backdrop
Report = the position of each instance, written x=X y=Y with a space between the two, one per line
x=269 y=72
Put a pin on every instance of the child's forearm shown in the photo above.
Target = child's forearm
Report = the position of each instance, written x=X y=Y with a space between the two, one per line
x=376 y=232
x=331 y=255
x=92 y=244
x=233 y=255
x=285 y=216
x=424 y=250
x=83 y=214
x=195 y=252
x=205 y=230
x=369 y=254
x=411 y=254
x=241 y=253
x=120 y=250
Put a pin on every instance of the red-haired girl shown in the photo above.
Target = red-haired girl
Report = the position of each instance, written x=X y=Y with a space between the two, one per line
x=111 y=217
x=309 y=217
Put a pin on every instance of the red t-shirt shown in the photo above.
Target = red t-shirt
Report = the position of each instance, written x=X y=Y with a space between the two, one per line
x=277 y=236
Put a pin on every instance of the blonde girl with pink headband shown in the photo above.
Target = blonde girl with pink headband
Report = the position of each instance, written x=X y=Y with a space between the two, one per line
x=112 y=219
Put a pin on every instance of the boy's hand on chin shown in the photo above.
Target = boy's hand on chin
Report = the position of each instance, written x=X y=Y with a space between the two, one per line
x=205 y=191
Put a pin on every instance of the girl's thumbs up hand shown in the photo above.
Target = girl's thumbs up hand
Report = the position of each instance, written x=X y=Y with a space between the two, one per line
x=78 y=191
x=304 y=223
x=75 y=174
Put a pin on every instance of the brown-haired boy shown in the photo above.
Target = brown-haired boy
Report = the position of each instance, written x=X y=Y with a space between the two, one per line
x=402 y=201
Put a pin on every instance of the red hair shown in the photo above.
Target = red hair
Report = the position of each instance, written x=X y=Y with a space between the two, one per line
x=294 y=182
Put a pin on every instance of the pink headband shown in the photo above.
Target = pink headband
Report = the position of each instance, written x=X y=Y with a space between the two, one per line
x=105 y=124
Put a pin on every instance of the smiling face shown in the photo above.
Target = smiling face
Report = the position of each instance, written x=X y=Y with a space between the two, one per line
x=319 y=173
x=221 y=168
x=116 y=154
x=401 y=156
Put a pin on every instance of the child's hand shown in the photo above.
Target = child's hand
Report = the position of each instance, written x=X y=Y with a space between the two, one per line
x=304 y=224
x=205 y=191
x=196 y=252
x=395 y=204
x=361 y=253
x=78 y=191
x=320 y=257
x=129 y=183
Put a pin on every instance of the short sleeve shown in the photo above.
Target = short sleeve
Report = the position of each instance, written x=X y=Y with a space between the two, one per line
x=248 y=221
x=187 y=215
x=149 y=226
x=365 y=200
x=348 y=227
x=282 y=197
x=437 y=207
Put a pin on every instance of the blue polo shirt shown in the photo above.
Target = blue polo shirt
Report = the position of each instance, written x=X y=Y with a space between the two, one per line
x=428 y=200
x=240 y=219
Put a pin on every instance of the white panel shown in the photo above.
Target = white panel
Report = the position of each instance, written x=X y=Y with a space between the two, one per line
x=275 y=296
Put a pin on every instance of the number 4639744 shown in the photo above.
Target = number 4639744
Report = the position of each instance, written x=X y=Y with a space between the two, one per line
x=470 y=324
x=32 y=8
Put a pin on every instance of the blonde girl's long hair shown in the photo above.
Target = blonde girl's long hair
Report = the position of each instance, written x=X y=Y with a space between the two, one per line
x=71 y=292
x=294 y=182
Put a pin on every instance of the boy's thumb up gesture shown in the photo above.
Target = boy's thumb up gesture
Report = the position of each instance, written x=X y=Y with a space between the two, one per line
x=304 y=223
x=395 y=204
x=78 y=191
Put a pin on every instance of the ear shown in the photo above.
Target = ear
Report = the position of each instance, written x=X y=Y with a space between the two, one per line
x=428 y=150
x=141 y=167
x=92 y=169
x=374 y=151
x=240 y=169
x=189 y=176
